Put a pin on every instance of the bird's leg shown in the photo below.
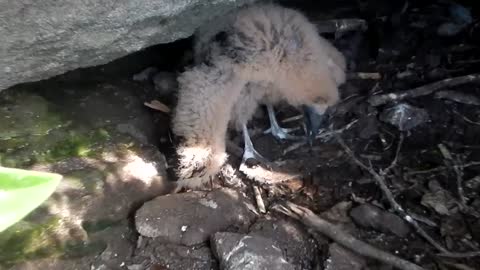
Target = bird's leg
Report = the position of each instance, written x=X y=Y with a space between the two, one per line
x=249 y=150
x=276 y=130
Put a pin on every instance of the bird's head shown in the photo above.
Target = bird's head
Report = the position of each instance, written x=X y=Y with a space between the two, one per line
x=313 y=84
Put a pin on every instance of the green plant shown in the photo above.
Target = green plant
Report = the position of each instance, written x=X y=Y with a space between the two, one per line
x=21 y=191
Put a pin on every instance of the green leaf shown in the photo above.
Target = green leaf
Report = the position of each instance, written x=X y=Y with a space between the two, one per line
x=21 y=191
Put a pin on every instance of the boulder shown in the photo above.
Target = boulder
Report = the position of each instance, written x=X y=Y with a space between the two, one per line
x=238 y=251
x=191 y=218
x=41 y=39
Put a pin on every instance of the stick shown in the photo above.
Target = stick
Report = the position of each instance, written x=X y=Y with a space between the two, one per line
x=259 y=200
x=380 y=180
x=307 y=217
x=323 y=135
x=364 y=76
x=395 y=160
x=341 y=25
x=424 y=90
x=441 y=168
x=157 y=105
x=450 y=162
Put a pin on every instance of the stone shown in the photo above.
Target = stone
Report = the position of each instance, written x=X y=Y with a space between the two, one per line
x=171 y=256
x=298 y=246
x=343 y=259
x=238 y=251
x=190 y=218
x=48 y=38
x=370 y=216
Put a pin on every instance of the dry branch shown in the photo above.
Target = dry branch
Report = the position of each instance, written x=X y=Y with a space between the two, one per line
x=323 y=135
x=341 y=25
x=157 y=105
x=364 y=76
x=307 y=217
x=424 y=90
x=259 y=199
x=380 y=180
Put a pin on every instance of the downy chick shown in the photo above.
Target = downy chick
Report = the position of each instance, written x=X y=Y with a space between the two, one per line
x=262 y=54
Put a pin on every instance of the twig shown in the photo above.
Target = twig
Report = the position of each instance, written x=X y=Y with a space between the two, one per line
x=307 y=217
x=341 y=25
x=258 y=199
x=424 y=90
x=466 y=119
x=293 y=118
x=450 y=162
x=460 y=255
x=395 y=160
x=157 y=105
x=442 y=168
x=323 y=135
x=380 y=180
x=364 y=76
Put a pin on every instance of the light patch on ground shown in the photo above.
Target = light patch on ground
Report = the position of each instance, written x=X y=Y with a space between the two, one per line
x=139 y=169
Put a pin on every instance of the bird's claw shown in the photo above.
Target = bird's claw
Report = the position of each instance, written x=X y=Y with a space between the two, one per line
x=282 y=133
x=277 y=131
x=250 y=152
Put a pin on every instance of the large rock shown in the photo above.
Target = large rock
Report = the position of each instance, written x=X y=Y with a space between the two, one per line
x=191 y=218
x=298 y=246
x=245 y=252
x=41 y=39
x=150 y=251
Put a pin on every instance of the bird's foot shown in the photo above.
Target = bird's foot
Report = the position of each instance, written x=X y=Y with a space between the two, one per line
x=277 y=131
x=250 y=153
x=282 y=133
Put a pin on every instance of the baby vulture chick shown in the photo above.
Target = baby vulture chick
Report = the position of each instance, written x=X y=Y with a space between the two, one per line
x=258 y=54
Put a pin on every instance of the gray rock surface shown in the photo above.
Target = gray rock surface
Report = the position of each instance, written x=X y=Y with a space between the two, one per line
x=343 y=259
x=41 y=39
x=237 y=251
x=370 y=216
x=297 y=244
x=150 y=251
x=191 y=218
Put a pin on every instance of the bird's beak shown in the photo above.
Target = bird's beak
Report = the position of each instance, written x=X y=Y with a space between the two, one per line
x=314 y=119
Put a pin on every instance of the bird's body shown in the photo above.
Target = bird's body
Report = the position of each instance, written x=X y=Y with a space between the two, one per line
x=258 y=54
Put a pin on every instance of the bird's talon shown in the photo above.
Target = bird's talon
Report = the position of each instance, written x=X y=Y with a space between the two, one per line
x=277 y=131
x=250 y=153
